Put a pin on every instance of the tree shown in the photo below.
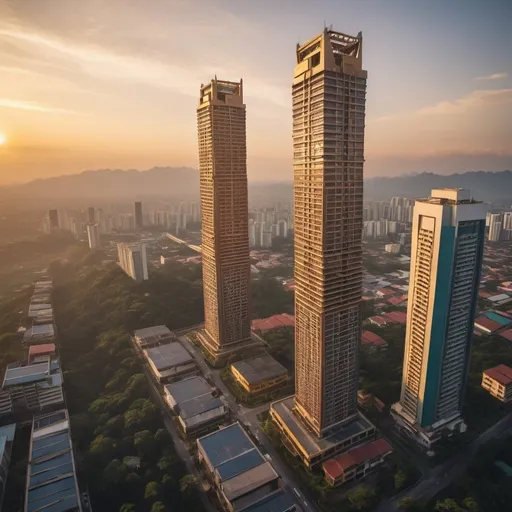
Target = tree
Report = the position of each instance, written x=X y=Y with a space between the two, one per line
x=361 y=498
x=128 y=507
x=407 y=504
x=152 y=491
x=188 y=486
x=470 y=504
x=144 y=443
x=158 y=507
x=400 y=479
x=448 y=505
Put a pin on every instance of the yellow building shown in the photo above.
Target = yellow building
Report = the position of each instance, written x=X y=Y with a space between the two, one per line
x=259 y=374
x=498 y=381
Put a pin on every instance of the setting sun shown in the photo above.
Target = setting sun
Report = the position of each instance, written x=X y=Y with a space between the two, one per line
x=3 y=140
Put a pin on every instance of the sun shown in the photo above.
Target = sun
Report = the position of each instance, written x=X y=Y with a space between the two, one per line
x=3 y=139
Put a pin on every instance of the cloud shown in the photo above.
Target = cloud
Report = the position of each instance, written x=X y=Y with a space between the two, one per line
x=104 y=63
x=34 y=107
x=475 y=99
x=495 y=76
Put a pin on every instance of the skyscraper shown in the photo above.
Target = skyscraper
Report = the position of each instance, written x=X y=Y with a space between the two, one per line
x=133 y=260
x=224 y=213
x=138 y=215
x=446 y=258
x=93 y=234
x=91 y=215
x=329 y=90
x=495 y=225
x=53 y=217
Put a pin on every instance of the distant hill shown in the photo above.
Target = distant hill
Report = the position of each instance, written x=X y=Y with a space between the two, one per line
x=183 y=182
x=485 y=186
x=106 y=183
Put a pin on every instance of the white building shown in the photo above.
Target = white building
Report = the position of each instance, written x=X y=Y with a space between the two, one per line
x=252 y=233
x=392 y=248
x=494 y=227
x=133 y=260
x=283 y=228
x=93 y=234
x=446 y=259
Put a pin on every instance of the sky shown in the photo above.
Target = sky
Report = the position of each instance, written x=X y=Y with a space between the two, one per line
x=115 y=83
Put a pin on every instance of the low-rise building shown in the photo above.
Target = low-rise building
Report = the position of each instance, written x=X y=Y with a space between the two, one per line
x=273 y=322
x=356 y=463
x=393 y=248
x=498 y=381
x=37 y=351
x=372 y=342
x=170 y=362
x=152 y=336
x=486 y=325
x=259 y=374
x=43 y=333
x=32 y=387
x=196 y=404
x=51 y=477
x=6 y=440
x=243 y=479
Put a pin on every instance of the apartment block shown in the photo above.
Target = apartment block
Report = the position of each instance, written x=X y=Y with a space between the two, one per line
x=446 y=259
x=133 y=260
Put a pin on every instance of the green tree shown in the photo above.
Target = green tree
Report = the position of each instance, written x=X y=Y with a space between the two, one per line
x=144 y=443
x=400 y=479
x=152 y=491
x=470 y=504
x=448 y=505
x=188 y=486
x=361 y=498
x=407 y=504
x=158 y=507
x=128 y=507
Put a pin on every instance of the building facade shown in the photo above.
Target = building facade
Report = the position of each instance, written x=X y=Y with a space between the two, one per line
x=133 y=260
x=93 y=234
x=329 y=90
x=495 y=226
x=53 y=217
x=498 y=381
x=446 y=259
x=224 y=213
x=139 y=221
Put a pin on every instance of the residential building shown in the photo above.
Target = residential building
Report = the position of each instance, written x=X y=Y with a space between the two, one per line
x=259 y=375
x=133 y=260
x=224 y=212
x=243 y=479
x=6 y=439
x=53 y=217
x=356 y=463
x=91 y=215
x=40 y=333
x=170 y=362
x=282 y=228
x=498 y=381
x=393 y=248
x=495 y=225
x=152 y=336
x=446 y=259
x=51 y=475
x=329 y=90
x=139 y=219
x=93 y=234
x=196 y=404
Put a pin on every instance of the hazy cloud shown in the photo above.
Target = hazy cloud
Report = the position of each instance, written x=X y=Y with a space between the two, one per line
x=495 y=76
x=35 y=107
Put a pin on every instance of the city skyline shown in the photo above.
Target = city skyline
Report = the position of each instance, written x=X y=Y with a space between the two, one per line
x=83 y=92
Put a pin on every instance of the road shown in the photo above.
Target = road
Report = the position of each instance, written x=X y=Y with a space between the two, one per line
x=180 y=241
x=441 y=476
x=248 y=417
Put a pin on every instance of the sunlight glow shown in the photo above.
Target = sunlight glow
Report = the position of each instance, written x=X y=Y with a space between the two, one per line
x=3 y=139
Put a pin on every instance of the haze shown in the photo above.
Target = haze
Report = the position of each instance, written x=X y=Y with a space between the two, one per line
x=114 y=83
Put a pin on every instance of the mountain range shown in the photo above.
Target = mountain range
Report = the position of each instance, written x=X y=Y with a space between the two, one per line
x=184 y=182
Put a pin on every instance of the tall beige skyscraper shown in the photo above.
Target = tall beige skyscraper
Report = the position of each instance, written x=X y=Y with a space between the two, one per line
x=329 y=90
x=224 y=212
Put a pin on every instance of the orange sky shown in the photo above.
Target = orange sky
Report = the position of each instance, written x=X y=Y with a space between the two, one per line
x=112 y=84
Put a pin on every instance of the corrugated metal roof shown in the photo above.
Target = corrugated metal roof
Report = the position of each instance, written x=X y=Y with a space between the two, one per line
x=239 y=464
x=187 y=389
x=258 y=369
x=278 y=502
x=169 y=355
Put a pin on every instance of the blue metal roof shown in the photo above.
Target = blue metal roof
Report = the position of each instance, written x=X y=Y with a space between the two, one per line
x=225 y=444
x=239 y=464
x=496 y=317
x=280 y=502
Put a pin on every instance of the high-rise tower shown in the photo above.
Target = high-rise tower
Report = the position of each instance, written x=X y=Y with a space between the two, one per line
x=446 y=258
x=139 y=221
x=329 y=90
x=224 y=212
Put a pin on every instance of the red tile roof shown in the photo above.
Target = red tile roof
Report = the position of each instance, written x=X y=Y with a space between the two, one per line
x=487 y=324
x=377 y=320
x=370 y=338
x=507 y=334
x=501 y=373
x=39 y=350
x=273 y=322
x=334 y=468
x=395 y=301
x=396 y=316
x=386 y=291
x=484 y=294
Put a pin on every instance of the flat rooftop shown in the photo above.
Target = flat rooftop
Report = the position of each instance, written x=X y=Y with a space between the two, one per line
x=17 y=374
x=51 y=478
x=310 y=442
x=279 y=501
x=168 y=356
x=259 y=369
x=152 y=334
x=188 y=388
